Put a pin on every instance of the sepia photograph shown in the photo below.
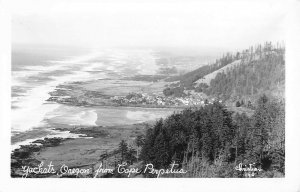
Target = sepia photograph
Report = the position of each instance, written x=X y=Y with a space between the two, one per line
x=147 y=89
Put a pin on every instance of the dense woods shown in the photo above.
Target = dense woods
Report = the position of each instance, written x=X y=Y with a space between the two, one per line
x=210 y=141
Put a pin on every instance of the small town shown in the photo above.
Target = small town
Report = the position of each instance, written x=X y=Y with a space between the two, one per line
x=153 y=99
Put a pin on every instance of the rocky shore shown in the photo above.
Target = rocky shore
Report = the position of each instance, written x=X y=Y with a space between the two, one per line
x=97 y=147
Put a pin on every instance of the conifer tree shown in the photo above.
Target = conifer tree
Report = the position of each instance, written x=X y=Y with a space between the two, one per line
x=123 y=148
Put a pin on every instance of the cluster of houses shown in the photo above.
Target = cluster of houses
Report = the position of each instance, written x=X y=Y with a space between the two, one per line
x=145 y=99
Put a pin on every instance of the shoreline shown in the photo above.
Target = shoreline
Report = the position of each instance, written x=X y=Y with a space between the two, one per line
x=94 y=144
x=121 y=106
x=98 y=144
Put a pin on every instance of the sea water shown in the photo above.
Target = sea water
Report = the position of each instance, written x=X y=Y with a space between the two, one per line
x=34 y=75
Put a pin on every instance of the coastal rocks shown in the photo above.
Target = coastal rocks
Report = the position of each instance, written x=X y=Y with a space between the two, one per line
x=50 y=142
x=96 y=145
x=24 y=155
x=95 y=131
x=75 y=96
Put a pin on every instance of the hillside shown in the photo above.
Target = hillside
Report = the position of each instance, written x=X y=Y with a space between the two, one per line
x=243 y=75
x=210 y=138
x=207 y=78
x=187 y=79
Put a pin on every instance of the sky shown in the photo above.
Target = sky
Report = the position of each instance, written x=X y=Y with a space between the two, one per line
x=230 y=24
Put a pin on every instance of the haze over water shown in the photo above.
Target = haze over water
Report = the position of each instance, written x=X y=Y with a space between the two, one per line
x=34 y=75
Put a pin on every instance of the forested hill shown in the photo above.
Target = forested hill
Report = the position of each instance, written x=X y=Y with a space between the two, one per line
x=210 y=142
x=259 y=69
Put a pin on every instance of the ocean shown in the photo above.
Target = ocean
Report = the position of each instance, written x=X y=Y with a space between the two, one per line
x=37 y=71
